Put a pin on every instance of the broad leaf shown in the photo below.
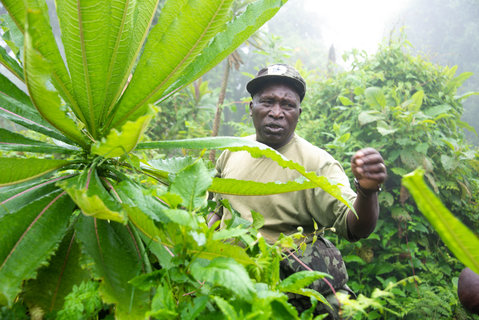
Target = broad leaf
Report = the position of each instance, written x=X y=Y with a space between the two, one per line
x=152 y=236
x=55 y=281
x=10 y=141
x=369 y=116
x=300 y=280
x=216 y=249
x=183 y=30
x=457 y=237
x=224 y=272
x=375 y=97
x=163 y=304
x=16 y=170
x=135 y=197
x=94 y=200
x=192 y=184
x=235 y=33
x=120 y=142
x=21 y=252
x=118 y=258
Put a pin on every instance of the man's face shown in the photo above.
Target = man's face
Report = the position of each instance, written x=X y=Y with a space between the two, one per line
x=275 y=110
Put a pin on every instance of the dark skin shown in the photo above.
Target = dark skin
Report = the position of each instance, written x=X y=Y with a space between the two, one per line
x=276 y=110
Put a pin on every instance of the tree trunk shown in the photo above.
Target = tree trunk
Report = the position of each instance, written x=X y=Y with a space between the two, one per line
x=219 y=106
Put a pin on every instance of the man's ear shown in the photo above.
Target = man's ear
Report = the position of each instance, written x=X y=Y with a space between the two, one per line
x=300 y=110
x=251 y=108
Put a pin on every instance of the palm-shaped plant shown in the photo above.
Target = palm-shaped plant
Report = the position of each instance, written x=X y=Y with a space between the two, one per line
x=78 y=208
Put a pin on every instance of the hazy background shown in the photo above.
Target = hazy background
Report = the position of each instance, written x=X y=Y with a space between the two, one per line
x=444 y=31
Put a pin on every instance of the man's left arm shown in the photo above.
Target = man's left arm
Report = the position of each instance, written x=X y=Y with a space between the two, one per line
x=370 y=172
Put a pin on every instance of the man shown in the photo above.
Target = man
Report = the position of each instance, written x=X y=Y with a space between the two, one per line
x=277 y=93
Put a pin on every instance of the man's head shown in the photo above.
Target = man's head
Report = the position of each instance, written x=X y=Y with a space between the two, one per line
x=277 y=92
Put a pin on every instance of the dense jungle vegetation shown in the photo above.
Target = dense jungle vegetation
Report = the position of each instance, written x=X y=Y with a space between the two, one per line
x=103 y=207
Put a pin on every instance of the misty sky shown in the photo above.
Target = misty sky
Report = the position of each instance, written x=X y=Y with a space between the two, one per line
x=349 y=24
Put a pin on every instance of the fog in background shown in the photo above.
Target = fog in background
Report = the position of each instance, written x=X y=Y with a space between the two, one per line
x=444 y=31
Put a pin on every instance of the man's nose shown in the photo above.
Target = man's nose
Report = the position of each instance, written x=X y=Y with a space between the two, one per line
x=276 y=111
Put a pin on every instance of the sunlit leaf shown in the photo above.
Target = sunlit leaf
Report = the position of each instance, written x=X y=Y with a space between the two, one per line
x=120 y=142
x=94 y=200
x=253 y=188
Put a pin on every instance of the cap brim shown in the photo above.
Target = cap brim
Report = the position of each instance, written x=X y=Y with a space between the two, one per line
x=258 y=83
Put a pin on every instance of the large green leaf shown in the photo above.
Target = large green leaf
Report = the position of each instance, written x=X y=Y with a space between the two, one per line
x=118 y=258
x=192 y=184
x=134 y=196
x=256 y=150
x=40 y=77
x=10 y=141
x=102 y=40
x=253 y=188
x=42 y=39
x=94 y=200
x=457 y=237
x=17 y=11
x=21 y=252
x=56 y=280
x=14 y=197
x=184 y=29
x=224 y=272
x=16 y=106
x=16 y=170
x=235 y=33
x=117 y=143
x=128 y=30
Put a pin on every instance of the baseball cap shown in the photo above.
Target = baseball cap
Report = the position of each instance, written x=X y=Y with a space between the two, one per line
x=282 y=72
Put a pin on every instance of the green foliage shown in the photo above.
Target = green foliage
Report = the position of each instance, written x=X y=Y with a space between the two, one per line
x=407 y=108
x=95 y=228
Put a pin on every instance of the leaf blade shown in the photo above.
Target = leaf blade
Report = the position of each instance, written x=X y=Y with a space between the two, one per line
x=19 y=169
x=457 y=237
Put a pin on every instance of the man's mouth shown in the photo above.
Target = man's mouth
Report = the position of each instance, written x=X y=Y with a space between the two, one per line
x=273 y=128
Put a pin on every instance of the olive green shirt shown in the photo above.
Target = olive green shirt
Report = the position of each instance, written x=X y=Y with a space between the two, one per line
x=284 y=213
